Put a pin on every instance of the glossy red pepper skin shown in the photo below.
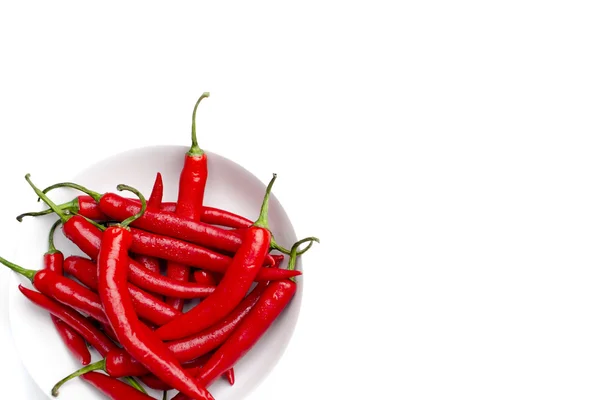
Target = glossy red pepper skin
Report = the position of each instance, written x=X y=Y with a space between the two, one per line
x=113 y=388
x=119 y=363
x=233 y=287
x=194 y=255
x=272 y=302
x=230 y=375
x=136 y=338
x=88 y=238
x=146 y=306
x=72 y=318
x=170 y=224
x=53 y=261
x=207 y=278
x=148 y=262
x=70 y=293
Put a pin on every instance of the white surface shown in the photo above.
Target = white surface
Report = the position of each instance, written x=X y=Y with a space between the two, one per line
x=229 y=185
x=461 y=136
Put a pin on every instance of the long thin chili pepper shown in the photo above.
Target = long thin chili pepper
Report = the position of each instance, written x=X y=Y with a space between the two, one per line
x=53 y=261
x=136 y=338
x=62 y=289
x=119 y=363
x=147 y=306
x=271 y=303
x=113 y=388
x=192 y=183
x=234 y=285
x=119 y=208
x=88 y=237
x=195 y=256
x=86 y=206
x=85 y=328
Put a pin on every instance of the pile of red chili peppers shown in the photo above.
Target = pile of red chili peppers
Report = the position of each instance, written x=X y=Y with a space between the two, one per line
x=147 y=260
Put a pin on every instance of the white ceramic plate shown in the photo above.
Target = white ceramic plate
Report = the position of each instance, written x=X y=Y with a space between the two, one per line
x=229 y=186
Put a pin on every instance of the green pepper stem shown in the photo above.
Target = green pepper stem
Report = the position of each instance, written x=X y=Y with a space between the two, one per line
x=64 y=217
x=95 y=195
x=135 y=384
x=51 y=247
x=71 y=206
x=129 y=220
x=263 y=217
x=27 y=273
x=99 y=365
x=195 y=150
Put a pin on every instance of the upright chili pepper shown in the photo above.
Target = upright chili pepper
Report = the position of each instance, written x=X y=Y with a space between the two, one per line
x=85 y=328
x=53 y=261
x=113 y=388
x=271 y=303
x=136 y=338
x=192 y=183
x=234 y=285
x=88 y=237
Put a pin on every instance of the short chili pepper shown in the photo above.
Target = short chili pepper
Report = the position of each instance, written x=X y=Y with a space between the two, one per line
x=113 y=388
x=53 y=261
x=147 y=307
x=190 y=199
x=62 y=289
x=234 y=285
x=196 y=256
x=88 y=237
x=271 y=303
x=119 y=208
x=85 y=328
x=136 y=338
x=154 y=202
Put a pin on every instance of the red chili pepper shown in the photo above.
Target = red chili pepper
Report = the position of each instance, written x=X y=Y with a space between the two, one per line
x=113 y=388
x=119 y=208
x=205 y=277
x=136 y=338
x=271 y=303
x=62 y=289
x=88 y=237
x=85 y=328
x=230 y=375
x=86 y=206
x=53 y=261
x=147 y=307
x=119 y=363
x=190 y=200
x=234 y=285
x=195 y=256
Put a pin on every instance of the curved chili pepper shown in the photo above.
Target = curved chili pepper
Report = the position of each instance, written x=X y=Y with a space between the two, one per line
x=53 y=261
x=113 y=388
x=195 y=256
x=234 y=285
x=62 y=289
x=190 y=199
x=271 y=303
x=79 y=323
x=147 y=306
x=88 y=237
x=119 y=363
x=136 y=338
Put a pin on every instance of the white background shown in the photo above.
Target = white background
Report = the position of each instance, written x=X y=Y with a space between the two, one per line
x=446 y=153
